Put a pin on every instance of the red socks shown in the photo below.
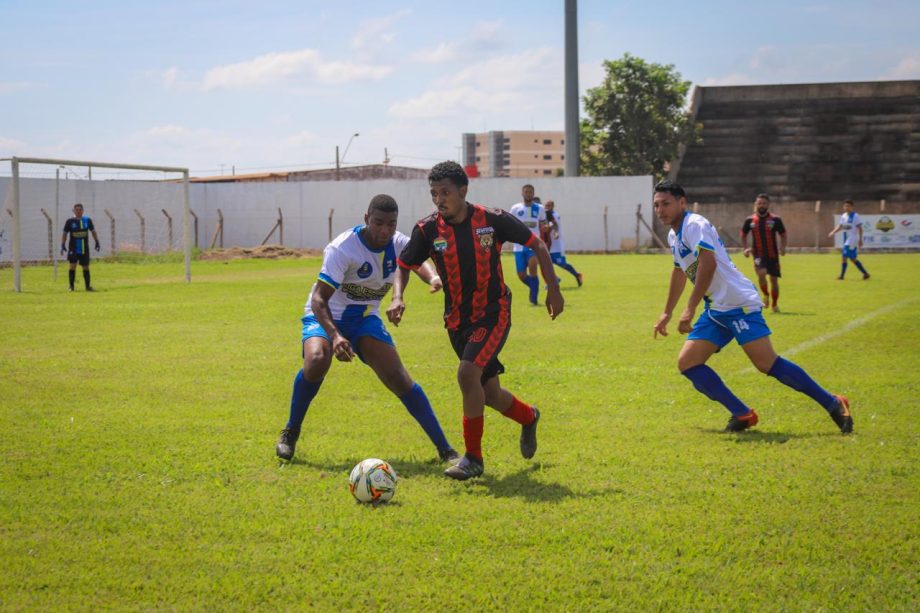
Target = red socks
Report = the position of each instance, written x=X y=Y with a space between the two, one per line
x=472 y=435
x=520 y=412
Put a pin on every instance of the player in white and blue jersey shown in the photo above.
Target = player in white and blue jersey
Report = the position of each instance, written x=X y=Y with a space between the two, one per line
x=556 y=242
x=342 y=319
x=852 y=228
x=533 y=215
x=732 y=310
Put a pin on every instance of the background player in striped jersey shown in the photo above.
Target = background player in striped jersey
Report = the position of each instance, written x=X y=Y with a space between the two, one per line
x=342 y=318
x=732 y=310
x=764 y=226
x=556 y=242
x=533 y=215
x=851 y=226
x=79 y=227
x=465 y=241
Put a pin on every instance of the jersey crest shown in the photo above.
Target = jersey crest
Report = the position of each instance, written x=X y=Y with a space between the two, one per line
x=365 y=270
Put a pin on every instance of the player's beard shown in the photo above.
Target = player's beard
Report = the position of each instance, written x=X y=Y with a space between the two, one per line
x=762 y=212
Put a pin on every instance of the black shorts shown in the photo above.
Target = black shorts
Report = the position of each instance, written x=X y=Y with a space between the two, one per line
x=771 y=264
x=78 y=258
x=481 y=343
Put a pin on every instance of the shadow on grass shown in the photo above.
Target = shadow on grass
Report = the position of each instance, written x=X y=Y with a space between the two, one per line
x=759 y=436
x=522 y=485
x=404 y=467
x=782 y=313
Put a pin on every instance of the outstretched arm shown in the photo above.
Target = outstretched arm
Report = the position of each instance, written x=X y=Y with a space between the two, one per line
x=397 y=306
x=835 y=230
x=554 y=301
x=676 y=288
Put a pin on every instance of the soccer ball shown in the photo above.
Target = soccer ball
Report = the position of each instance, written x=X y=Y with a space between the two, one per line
x=372 y=480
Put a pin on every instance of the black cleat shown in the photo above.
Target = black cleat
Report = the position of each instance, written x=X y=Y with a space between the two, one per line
x=866 y=276
x=580 y=278
x=841 y=415
x=91 y=289
x=286 y=443
x=448 y=454
x=529 y=436
x=740 y=423
x=467 y=468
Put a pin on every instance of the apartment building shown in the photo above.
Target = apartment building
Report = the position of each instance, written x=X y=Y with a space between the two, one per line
x=514 y=153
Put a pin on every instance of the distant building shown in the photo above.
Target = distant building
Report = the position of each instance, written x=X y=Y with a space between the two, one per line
x=514 y=153
x=350 y=173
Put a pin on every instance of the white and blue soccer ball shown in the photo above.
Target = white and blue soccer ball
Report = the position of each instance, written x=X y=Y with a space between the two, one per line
x=372 y=480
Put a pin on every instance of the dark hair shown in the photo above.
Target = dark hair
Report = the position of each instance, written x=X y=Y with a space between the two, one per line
x=526 y=185
x=764 y=196
x=849 y=201
x=451 y=171
x=670 y=187
x=383 y=203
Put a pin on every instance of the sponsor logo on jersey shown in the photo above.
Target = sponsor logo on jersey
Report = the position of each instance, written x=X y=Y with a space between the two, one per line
x=362 y=293
x=486 y=236
x=365 y=271
x=439 y=244
x=691 y=271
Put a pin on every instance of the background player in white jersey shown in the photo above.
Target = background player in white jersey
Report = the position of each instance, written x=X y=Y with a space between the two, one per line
x=732 y=310
x=533 y=215
x=556 y=242
x=342 y=318
x=851 y=226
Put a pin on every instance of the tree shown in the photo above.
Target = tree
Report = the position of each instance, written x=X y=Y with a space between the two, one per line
x=636 y=119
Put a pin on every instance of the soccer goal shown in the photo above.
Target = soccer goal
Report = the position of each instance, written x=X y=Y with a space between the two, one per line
x=134 y=208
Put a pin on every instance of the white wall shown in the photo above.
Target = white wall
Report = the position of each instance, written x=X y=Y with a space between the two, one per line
x=250 y=209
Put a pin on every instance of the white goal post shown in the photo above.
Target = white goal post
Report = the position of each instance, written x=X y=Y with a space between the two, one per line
x=17 y=228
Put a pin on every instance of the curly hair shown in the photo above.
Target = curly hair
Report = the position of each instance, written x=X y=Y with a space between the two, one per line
x=383 y=203
x=451 y=171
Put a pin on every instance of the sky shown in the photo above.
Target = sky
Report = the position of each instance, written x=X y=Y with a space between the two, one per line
x=248 y=87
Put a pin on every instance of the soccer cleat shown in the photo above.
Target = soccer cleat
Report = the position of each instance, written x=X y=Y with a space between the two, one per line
x=529 y=436
x=71 y=288
x=580 y=278
x=840 y=278
x=775 y=309
x=91 y=289
x=286 y=443
x=866 y=276
x=467 y=468
x=448 y=454
x=841 y=415
x=739 y=423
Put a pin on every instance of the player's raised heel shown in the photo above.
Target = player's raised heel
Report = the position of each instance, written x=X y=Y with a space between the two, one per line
x=448 y=454
x=841 y=415
x=467 y=468
x=529 y=436
x=739 y=423
x=580 y=278
x=287 y=442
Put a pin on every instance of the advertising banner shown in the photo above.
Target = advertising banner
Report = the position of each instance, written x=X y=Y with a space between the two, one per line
x=890 y=231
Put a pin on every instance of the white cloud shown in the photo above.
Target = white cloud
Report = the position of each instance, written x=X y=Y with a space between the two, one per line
x=730 y=79
x=10 y=145
x=288 y=66
x=521 y=83
x=374 y=32
x=8 y=87
x=169 y=77
x=303 y=139
x=488 y=34
x=767 y=58
x=442 y=54
x=907 y=68
x=485 y=36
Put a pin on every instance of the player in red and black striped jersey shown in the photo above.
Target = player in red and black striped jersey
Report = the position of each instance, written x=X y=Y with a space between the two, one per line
x=764 y=226
x=465 y=242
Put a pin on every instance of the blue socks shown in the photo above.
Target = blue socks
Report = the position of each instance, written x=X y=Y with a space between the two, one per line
x=792 y=375
x=843 y=269
x=860 y=267
x=303 y=394
x=569 y=268
x=419 y=407
x=534 y=284
x=708 y=383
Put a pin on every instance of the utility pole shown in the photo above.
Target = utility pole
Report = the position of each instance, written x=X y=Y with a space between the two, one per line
x=572 y=136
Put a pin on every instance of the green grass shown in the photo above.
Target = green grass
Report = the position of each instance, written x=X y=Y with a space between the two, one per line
x=137 y=432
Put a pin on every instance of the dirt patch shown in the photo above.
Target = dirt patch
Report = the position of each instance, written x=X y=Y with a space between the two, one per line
x=269 y=252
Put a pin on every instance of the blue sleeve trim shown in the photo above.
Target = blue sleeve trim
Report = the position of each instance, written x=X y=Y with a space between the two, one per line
x=328 y=281
x=706 y=246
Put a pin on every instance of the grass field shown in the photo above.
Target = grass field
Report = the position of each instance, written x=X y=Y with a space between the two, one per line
x=139 y=422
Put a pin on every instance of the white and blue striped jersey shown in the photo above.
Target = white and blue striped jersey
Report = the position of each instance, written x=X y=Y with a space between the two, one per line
x=849 y=224
x=729 y=288
x=531 y=215
x=360 y=275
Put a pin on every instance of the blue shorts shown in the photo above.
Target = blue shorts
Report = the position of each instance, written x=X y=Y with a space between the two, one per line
x=352 y=328
x=521 y=258
x=850 y=252
x=557 y=259
x=720 y=327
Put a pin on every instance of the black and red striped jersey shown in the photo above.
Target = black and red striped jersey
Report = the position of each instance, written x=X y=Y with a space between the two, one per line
x=764 y=230
x=468 y=259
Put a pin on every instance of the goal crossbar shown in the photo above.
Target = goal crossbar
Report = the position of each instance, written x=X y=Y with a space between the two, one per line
x=17 y=230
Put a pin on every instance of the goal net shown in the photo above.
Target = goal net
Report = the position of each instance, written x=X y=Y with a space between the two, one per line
x=134 y=209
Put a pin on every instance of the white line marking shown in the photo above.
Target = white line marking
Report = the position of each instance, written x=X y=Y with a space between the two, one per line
x=856 y=323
